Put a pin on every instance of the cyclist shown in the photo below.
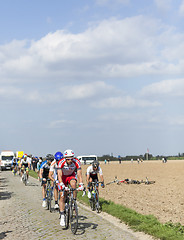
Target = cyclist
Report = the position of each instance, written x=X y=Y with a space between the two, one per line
x=53 y=175
x=14 y=165
x=92 y=176
x=44 y=174
x=67 y=168
x=24 y=166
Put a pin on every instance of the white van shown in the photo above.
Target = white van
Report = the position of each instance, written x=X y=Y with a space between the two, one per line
x=6 y=158
x=88 y=159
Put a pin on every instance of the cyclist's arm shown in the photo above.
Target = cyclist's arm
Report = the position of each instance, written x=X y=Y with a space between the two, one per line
x=50 y=175
x=59 y=175
x=41 y=173
x=87 y=178
x=101 y=178
x=79 y=175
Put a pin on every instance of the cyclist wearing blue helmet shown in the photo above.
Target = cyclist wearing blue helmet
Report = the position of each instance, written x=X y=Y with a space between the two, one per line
x=53 y=175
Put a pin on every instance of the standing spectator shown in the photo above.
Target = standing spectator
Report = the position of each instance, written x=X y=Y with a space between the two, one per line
x=34 y=163
x=119 y=158
x=132 y=160
x=108 y=160
x=105 y=161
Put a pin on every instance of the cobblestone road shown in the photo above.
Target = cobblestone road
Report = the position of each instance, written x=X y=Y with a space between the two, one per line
x=22 y=216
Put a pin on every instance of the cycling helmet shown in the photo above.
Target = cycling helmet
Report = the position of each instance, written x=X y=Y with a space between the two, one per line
x=95 y=164
x=69 y=153
x=58 y=156
x=49 y=157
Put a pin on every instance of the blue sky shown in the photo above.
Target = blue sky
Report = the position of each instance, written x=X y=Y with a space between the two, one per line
x=96 y=76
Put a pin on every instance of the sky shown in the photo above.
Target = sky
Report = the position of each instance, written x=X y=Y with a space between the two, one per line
x=95 y=76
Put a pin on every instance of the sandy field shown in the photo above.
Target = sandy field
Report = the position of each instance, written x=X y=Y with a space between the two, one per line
x=164 y=199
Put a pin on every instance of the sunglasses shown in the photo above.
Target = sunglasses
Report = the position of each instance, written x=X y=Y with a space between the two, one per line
x=69 y=159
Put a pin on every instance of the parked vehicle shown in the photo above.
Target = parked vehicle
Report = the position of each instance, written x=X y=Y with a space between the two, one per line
x=6 y=158
x=87 y=159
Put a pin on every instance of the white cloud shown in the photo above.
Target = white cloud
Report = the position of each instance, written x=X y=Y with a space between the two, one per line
x=85 y=91
x=174 y=87
x=163 y=5
x=178 y=120
x=181 y=8
x=9 y=92
x=124 y=102
x=109 y=49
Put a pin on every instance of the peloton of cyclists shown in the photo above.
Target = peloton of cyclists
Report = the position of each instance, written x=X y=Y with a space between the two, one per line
x=53 y=176
x=92 y=176
x=24 y=166
x=44 y=175
x=68 y=168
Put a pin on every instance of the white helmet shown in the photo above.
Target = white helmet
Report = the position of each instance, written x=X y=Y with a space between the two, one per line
x=69 y=153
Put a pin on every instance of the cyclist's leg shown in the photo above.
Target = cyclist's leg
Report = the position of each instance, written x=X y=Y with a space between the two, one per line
x=73 y=183
x=62 y=196
x=44 y=184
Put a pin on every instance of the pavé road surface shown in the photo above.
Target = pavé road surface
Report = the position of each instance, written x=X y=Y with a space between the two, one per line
x=22 y=216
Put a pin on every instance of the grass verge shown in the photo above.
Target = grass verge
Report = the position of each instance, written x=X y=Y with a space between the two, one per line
x=138 y=222
x=33 y=174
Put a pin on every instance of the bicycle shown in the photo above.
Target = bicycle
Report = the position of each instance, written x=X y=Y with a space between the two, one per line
x=14 y=171
x=116 y=181
x=49 y=195
x=94 y=200
x=147 y=181
x=71 y=210
x=24 y=177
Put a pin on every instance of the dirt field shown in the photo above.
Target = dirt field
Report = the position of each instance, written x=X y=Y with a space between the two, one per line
x=163 y=199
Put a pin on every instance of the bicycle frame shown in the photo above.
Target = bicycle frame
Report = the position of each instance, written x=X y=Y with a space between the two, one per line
x=24 y=177
x=71 y=210
x=94 y=200
x=49 y=194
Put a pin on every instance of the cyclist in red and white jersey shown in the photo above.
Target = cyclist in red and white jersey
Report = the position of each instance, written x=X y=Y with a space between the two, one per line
x=69 y=170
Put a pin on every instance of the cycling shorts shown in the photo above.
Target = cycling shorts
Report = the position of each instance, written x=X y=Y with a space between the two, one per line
x=44 y=180
x=66 y=179
x=26 y=168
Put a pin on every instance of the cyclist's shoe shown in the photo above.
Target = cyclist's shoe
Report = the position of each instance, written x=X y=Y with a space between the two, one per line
x=56 y=206
x=27 y=181
x=89 y=194
x=62 y=220
x=21 y=179
x=44 y=204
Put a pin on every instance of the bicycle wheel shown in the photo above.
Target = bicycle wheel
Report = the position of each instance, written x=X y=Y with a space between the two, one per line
x=48 y=196
x=25 y=179
x=97 y=204
x=92 y=202
x=67 y=214
x=73 y=216
x=50 y=199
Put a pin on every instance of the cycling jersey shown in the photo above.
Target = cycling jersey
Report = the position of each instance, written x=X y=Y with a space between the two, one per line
x=92 y=172
x=69 y=169
x=53 y=168
x=24 y=163
x=46 y=167
x=14 y=162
